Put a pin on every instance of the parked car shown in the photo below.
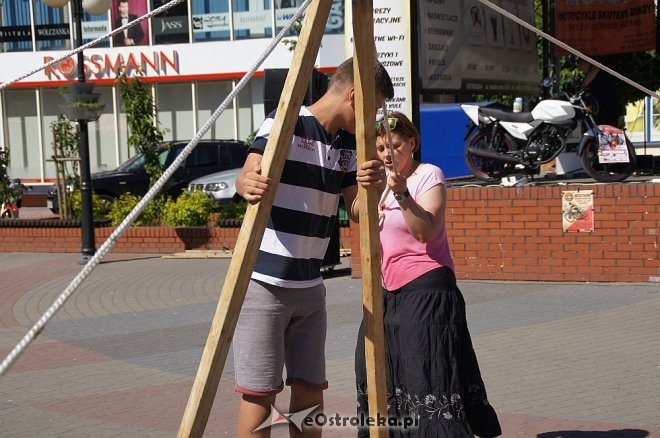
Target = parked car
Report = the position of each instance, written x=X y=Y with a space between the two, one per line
x=207 y=157
x=220 y=186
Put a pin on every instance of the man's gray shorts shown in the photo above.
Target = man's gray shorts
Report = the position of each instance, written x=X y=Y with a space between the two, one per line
x=277 y=327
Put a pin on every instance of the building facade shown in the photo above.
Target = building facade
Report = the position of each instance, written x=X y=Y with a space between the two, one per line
x=193 y=55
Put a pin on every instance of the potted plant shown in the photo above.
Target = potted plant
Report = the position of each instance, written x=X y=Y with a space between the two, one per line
x=82 y=110
x=80 y=102
x=77 y=88
x=70 y=97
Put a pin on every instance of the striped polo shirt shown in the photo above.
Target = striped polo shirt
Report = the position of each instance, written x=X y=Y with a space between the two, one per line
x=304 y=211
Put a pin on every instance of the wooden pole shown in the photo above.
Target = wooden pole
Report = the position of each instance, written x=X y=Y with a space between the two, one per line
x=240 y=269
x=372 y=302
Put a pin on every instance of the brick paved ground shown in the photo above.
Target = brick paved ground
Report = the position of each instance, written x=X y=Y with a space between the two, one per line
x=559 y=360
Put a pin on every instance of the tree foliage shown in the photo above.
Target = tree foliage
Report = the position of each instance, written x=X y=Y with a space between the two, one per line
x=143 y=126
x=641 y=67
x=4 y=178
x=67 y=149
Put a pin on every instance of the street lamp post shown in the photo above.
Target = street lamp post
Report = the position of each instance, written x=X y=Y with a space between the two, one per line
x=87 y=225
x=97 y=7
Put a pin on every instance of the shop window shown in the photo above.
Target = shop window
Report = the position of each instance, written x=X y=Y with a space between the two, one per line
x=170 y=27
x=250 y=108
x=102 y=135
x=210 y=20
x=252 y=19
x=50 y=110
x=284 y=10
x=51 y=27
x=95 y=26
x=209 y=96
x=336 y=19
x=125 y=11
x=22 y=135
x=15 y=29
x=175 y=110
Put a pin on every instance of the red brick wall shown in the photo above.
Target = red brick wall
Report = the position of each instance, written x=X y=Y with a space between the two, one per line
x=516 y=234
x=494 y=234
x=156 y=240
x=150 y=240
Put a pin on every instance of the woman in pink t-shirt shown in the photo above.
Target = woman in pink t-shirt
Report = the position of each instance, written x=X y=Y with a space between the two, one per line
x=432 y=370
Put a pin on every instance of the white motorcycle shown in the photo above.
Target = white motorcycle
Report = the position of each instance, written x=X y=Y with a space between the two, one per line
x=506 y=139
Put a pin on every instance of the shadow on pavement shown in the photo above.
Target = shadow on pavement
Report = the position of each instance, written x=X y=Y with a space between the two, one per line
x=617 y=433
x=334 y=272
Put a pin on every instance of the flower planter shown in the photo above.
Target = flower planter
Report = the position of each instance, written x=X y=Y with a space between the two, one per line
x=76 y=88
x=81 y=112
x=70 y=98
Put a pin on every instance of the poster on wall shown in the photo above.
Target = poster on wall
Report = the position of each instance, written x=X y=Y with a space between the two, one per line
x=171 y=26
x=606 y=27
x=465 y=46
x=392 y=39
x=123 y=12
x=577 y=211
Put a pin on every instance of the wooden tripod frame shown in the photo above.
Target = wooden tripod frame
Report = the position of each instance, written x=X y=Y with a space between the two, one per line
x=236 y=282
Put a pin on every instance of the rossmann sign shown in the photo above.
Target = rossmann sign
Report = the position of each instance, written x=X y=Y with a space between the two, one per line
x=109 y=65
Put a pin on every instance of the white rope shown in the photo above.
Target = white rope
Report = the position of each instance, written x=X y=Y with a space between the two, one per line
x=568 y=48
x=156 y=11
x=112 y=239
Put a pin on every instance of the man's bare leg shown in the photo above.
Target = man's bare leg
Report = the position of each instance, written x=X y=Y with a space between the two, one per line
x=303 y=397
x=252 y=411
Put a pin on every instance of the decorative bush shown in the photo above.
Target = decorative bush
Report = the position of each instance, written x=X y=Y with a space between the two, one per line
x=233 y=210
x=191 y=209
x=100 y=207
x=150 y=216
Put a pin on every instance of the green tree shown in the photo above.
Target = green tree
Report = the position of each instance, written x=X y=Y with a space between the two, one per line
x=4 y=179
x=66 y=149
x=641 y=67
x=143 y=126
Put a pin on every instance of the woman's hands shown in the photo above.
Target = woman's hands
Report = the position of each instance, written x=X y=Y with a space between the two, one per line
x=397 y=182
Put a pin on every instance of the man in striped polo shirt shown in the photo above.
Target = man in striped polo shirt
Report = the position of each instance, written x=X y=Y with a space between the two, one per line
x=283 y=319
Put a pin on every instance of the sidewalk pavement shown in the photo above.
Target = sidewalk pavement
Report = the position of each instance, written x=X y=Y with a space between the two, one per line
x=119 y=359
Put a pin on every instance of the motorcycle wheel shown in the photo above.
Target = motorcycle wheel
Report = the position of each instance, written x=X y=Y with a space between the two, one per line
x=603 y=172
x=489 y=169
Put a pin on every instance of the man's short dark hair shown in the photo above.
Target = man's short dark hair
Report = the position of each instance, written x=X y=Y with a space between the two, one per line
x=343 y=78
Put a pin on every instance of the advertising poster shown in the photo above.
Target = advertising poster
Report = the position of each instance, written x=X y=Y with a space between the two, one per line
x=612 y=147
x=392 y=39
x=171 y=26
x=469 y=47
x=124 y=11
x=606 y=27
x=578 y=211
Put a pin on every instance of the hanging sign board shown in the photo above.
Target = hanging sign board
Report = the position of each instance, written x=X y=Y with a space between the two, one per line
x=578 y=211
x=392 y=39
x=469 y=47
x=606 y=27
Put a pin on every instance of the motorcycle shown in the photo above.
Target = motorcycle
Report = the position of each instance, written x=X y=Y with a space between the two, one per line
x=13 y=195
x=505 y=139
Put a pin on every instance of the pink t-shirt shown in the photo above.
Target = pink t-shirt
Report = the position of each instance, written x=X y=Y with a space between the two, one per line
x=404 y=257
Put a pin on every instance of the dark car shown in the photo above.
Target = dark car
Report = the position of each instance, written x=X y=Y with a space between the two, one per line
x=207 y=157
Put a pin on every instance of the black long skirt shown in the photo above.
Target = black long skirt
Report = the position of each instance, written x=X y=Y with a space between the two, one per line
x=432 y=372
